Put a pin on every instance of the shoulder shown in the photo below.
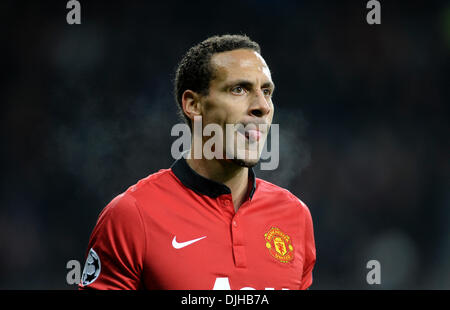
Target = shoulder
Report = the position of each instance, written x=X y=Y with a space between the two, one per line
x=126 y=205
x=139 y=196
x=121 y=209
x=274 y=192
x=152 y=181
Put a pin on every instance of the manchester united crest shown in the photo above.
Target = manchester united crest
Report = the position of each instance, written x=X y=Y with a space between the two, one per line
x=279 y=245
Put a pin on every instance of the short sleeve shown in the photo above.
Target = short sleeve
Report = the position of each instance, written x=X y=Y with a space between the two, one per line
x=114 y=259
x=310 y=250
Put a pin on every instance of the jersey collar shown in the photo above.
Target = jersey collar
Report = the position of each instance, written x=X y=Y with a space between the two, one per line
x=202 y=185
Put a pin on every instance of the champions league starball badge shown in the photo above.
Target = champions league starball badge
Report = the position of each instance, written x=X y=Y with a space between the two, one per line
x=91 y=268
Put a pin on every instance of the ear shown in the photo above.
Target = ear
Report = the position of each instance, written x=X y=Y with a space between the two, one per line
x=190 y=101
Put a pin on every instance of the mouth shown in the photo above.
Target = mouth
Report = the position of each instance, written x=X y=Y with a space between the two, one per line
x=251 y=132
x=252 y=135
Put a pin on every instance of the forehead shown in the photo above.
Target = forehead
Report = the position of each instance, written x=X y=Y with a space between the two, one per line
x=241 y=63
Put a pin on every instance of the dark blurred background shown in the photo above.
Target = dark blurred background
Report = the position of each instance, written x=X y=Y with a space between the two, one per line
x=363 y=112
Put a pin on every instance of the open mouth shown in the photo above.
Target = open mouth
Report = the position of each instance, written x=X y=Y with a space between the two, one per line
x=252 y=132
x=252 y=135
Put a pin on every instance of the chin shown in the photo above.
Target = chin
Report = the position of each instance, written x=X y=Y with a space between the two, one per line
x=245 y=162
x=244 y=157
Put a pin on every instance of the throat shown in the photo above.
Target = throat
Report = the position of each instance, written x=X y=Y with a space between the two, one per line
x=233 y=176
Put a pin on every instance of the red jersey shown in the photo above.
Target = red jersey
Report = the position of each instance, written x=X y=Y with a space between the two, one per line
x=178 y=230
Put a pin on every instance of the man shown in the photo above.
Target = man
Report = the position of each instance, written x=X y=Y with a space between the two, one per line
x=209 y=223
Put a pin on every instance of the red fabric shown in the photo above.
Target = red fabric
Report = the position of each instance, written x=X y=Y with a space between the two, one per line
x=134 y=234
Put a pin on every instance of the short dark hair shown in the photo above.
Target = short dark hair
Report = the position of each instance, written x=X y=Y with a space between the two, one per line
x=194 y=71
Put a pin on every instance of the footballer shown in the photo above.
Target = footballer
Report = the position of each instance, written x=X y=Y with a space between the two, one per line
x=209 y=223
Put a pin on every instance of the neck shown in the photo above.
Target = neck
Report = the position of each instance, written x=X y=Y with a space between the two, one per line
x=228 y=173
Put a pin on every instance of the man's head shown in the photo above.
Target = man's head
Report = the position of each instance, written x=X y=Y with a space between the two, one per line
x=225 y=80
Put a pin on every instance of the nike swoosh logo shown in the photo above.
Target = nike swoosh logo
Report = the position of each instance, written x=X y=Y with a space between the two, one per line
x=179 y=245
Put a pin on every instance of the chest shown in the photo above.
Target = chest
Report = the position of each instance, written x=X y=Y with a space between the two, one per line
x=201 y=246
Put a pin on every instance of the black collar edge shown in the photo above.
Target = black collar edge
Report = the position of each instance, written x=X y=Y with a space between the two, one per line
x=202 y=185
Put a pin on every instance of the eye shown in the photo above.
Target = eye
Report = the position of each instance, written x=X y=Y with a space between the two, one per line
x=267 y=92
x=238 y=90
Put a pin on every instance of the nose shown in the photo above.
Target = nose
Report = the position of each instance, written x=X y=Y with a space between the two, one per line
x=260 y=106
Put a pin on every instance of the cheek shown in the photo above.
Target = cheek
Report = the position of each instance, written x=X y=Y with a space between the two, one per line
x=271 y=113
x=214 y=116
x=220 y=111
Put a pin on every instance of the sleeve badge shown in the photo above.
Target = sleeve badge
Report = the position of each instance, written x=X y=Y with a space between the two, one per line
x=91 y=269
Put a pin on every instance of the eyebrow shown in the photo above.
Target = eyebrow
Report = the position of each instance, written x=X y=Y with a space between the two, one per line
x=249 y=84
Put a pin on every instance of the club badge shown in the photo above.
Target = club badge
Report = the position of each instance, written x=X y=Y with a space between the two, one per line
x=279 y=245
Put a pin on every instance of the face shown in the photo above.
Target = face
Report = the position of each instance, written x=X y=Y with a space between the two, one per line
x=240 y=95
